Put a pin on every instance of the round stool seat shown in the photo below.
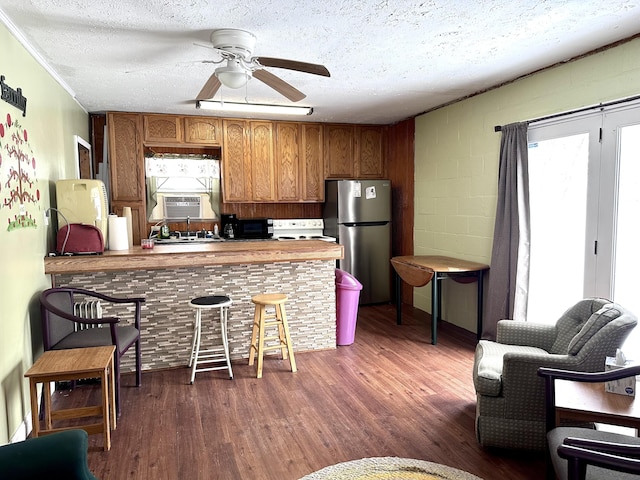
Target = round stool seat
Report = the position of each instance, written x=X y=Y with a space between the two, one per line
x=269 y=298
x=212 y=301
x=209 y=359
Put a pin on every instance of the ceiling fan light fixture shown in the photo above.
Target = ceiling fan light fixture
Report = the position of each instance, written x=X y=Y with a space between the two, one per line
x=233 y=75
x=253 y=108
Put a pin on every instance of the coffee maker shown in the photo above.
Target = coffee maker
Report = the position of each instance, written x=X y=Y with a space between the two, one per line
x=228 y=225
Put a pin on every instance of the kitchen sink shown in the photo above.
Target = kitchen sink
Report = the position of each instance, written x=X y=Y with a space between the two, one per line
x=178 y=240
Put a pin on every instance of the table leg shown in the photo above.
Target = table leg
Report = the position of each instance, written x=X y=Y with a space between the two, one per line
x=112 y=395
x=106 y=426
x=434 y=308
x=480 y=300
x=35 y=418
x=46 y=393
x=398 y=299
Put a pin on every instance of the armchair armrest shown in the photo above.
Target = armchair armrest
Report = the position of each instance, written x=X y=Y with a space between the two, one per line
x=549 y=376
x=582 y=452
x=514 y=332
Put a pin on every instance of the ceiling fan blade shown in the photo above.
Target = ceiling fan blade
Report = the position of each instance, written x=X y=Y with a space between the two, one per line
x=313 y=68
x=210 y=88
x=279 y=85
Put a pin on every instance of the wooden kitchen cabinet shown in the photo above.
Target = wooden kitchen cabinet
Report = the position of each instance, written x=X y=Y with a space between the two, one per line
x=311 y=163
x=370 y=152
x=163 y=129
x=248 y=165
x=354 y=151
x=262 y=161
x=339 y=149
x=236 y=162
x=203 y=130
x=126 y=168
x=287 y=152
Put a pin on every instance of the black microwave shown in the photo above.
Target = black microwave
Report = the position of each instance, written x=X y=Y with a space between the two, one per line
x=258 y=228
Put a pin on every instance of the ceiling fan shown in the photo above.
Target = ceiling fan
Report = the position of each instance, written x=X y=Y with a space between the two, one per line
x=235 y=48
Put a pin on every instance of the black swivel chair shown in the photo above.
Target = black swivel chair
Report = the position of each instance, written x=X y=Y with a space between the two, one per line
x=62 y=328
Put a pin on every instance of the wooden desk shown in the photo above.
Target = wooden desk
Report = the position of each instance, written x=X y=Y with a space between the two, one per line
x=74 y=364
x=589 y=402
x=419 y=270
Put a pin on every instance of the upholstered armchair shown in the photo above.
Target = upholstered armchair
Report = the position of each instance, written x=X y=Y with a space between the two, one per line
x=58 y=456
x=510 y=409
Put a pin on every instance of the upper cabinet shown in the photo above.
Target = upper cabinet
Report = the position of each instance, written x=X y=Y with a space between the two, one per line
x=236 y=161
x=354 y=151
x=126 y=159
x=263 y=184
x=203 y=130
x=370 y=152
x=311 y=163
x=339 y=151
x=288 y=165
x=175 y=129
x=162 y=129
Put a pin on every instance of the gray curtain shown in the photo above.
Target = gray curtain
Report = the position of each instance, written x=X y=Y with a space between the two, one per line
x=508 y=277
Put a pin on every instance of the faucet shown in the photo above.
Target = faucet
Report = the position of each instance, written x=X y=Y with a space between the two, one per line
x=188 y=225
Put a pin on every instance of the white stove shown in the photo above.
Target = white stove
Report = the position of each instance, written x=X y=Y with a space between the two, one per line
x=300 y=229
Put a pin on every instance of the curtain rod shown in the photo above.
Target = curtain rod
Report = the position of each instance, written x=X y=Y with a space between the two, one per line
x=498 y=128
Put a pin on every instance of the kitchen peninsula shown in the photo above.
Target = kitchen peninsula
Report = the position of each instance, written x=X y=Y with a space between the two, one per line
x=168 y=276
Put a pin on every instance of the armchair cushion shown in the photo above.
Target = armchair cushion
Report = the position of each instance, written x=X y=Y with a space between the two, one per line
x=572 y=321
x=58 y=456
x=592 y=326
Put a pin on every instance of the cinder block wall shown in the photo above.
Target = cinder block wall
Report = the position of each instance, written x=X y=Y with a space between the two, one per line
x=167 y=319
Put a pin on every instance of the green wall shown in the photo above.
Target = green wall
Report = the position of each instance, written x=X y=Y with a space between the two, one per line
x=456 y=159
x=52 y=119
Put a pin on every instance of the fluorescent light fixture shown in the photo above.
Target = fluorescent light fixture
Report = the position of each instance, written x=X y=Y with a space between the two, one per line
x=253 y=108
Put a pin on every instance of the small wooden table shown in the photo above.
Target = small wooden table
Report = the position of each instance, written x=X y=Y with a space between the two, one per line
x=74 y=364
x=589 y=402
x=419 y=270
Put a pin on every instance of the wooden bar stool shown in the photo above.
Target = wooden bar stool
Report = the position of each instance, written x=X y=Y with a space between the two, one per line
x=279 y=319
x=212 y=357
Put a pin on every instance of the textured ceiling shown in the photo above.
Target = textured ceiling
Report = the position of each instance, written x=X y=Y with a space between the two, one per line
x=389 y=59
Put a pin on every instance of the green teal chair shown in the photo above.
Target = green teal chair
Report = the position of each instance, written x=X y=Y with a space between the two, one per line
x=57 y=456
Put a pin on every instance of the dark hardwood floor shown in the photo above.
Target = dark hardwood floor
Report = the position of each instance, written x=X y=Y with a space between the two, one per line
x=391 y=393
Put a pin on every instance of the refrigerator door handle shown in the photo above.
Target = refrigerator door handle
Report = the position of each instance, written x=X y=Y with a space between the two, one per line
x=364 y=224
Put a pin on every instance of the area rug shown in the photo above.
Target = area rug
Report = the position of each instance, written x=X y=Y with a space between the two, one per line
x=389 y=468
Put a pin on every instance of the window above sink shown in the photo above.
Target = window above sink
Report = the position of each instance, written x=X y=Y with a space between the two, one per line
x=191 y=177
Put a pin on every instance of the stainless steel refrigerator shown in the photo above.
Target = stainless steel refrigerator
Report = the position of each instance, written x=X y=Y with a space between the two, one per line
x=358 y=214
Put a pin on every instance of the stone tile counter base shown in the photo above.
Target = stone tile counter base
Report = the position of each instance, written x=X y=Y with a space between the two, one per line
x=167 y=320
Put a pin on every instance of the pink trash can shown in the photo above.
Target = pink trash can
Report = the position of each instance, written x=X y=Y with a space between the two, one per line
x=347 y=299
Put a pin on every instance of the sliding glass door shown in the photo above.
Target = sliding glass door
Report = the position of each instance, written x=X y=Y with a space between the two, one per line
x=585 y=197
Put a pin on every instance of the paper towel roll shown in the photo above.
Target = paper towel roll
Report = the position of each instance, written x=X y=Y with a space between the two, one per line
x=118 y=237
x=126 y=213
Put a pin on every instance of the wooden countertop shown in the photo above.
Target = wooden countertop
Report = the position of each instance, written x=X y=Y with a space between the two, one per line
x=197 y=255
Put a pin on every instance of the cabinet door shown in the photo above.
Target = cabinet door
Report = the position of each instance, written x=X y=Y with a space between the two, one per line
x=339 y=151
x=312 y=163
x=202 y=130
x=288 y=161
x=126 y=160
x=163 y=129
x=370 y=152
x=262 y=162
x=236 y=162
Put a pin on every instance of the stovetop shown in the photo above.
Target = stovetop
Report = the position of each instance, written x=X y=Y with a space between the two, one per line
x=300 y=229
